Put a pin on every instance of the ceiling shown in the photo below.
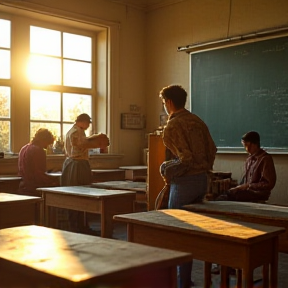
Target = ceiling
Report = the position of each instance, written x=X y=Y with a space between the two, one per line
x=146 y=4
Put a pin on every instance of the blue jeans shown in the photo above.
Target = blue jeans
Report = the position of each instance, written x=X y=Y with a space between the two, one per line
x=183 y=191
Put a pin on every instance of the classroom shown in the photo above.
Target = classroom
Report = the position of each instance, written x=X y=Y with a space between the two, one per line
x=138 y=47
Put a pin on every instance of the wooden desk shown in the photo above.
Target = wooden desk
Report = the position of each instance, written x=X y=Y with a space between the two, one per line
x=100 y=201
x=9 y=184
x=100 y=175
x=17 y=210
x=47 y=257
x=228 y=242
x=138 y=187
x=250 y=212
x=134 y=172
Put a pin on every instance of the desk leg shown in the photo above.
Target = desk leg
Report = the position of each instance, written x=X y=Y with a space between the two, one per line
x=107 y=220
x=224 y=277
x=207 y=274
x=39 y=213
x=46 y=215
x=265 y=275
x=274 y=264
x=248 y=277
x=239 y=278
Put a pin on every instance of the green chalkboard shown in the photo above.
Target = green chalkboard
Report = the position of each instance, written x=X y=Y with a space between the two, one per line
x=242 y=88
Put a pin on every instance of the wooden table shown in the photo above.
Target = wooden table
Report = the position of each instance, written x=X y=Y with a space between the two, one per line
x=47 y=257
x=17 y=210
x=100 y=175
x=9 y=184
x=250 y=212
x=139 y=187
x=107 y=203
x=228 y=242
x=134 y=172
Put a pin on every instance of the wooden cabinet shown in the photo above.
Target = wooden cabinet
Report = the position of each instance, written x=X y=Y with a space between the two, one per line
x=156 y=156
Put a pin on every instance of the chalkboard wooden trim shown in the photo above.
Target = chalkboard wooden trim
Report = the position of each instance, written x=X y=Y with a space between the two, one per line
x=236 y=40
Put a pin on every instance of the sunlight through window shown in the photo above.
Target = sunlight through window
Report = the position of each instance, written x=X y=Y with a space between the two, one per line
x=5 y=36
x=77 y=47
x=49 y=64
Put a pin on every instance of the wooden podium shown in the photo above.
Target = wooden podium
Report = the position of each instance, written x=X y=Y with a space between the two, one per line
x=156 y=156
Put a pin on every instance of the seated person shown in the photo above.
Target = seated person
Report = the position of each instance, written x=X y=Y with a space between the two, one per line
x=32 y=164
x=260 y=175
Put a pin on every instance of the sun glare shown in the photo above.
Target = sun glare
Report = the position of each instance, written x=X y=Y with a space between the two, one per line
x=44 y=70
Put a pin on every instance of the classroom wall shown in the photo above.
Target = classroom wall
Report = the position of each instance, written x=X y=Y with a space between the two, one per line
x=148 y=59
x=190 y=22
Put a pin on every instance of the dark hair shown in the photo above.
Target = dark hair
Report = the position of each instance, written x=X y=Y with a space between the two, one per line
x=176 y=94
x=43 y=134
x=83 y=118
x=252 y=137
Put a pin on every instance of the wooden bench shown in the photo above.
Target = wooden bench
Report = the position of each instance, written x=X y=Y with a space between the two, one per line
x=250 y=212
x=9 y=184
x=48 y=257
x=228 y=242
x=17 y=210
x=107 y=203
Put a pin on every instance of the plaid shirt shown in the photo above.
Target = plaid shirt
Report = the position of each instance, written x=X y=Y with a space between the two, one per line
x=189 y=139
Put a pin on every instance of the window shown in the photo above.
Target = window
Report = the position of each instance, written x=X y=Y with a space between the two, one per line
x=62 y=59
x=5 y=91
x=49 y=74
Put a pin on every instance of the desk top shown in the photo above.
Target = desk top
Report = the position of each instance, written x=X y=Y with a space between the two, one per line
x=122 y=185
x=10 y=178
x=105 y=170
x=181 y=221
x=134 y=167
x=86 y=191
x=264 y=211
x=78 y=257
x=7 y=197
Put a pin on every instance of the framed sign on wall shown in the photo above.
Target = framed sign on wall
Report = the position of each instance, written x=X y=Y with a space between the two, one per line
x=132 y=121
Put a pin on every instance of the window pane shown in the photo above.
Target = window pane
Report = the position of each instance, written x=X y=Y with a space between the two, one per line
x=5 y=99
x=4 y=64
x=5 y=33
x=53 y=127
x=75 y=104
x=45 y=41
x=76 y=47
x=5 y=136
x=45 y=105
x=44 y=70
x=77 y=74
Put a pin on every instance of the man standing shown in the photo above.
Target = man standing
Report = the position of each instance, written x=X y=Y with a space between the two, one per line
x=260 y=175
x=193 y=153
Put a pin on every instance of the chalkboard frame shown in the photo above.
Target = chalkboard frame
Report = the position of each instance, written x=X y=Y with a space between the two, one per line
x=241 y=46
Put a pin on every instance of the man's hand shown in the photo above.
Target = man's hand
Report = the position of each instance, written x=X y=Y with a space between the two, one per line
x=239 y=187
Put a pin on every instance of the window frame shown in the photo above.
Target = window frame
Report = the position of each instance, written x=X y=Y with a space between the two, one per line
x=20 y=97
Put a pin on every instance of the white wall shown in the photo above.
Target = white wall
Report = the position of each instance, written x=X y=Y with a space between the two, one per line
x=191 y=22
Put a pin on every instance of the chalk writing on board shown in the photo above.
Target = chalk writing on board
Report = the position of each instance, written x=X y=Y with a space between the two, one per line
x=240 y=88
x=277 y=48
